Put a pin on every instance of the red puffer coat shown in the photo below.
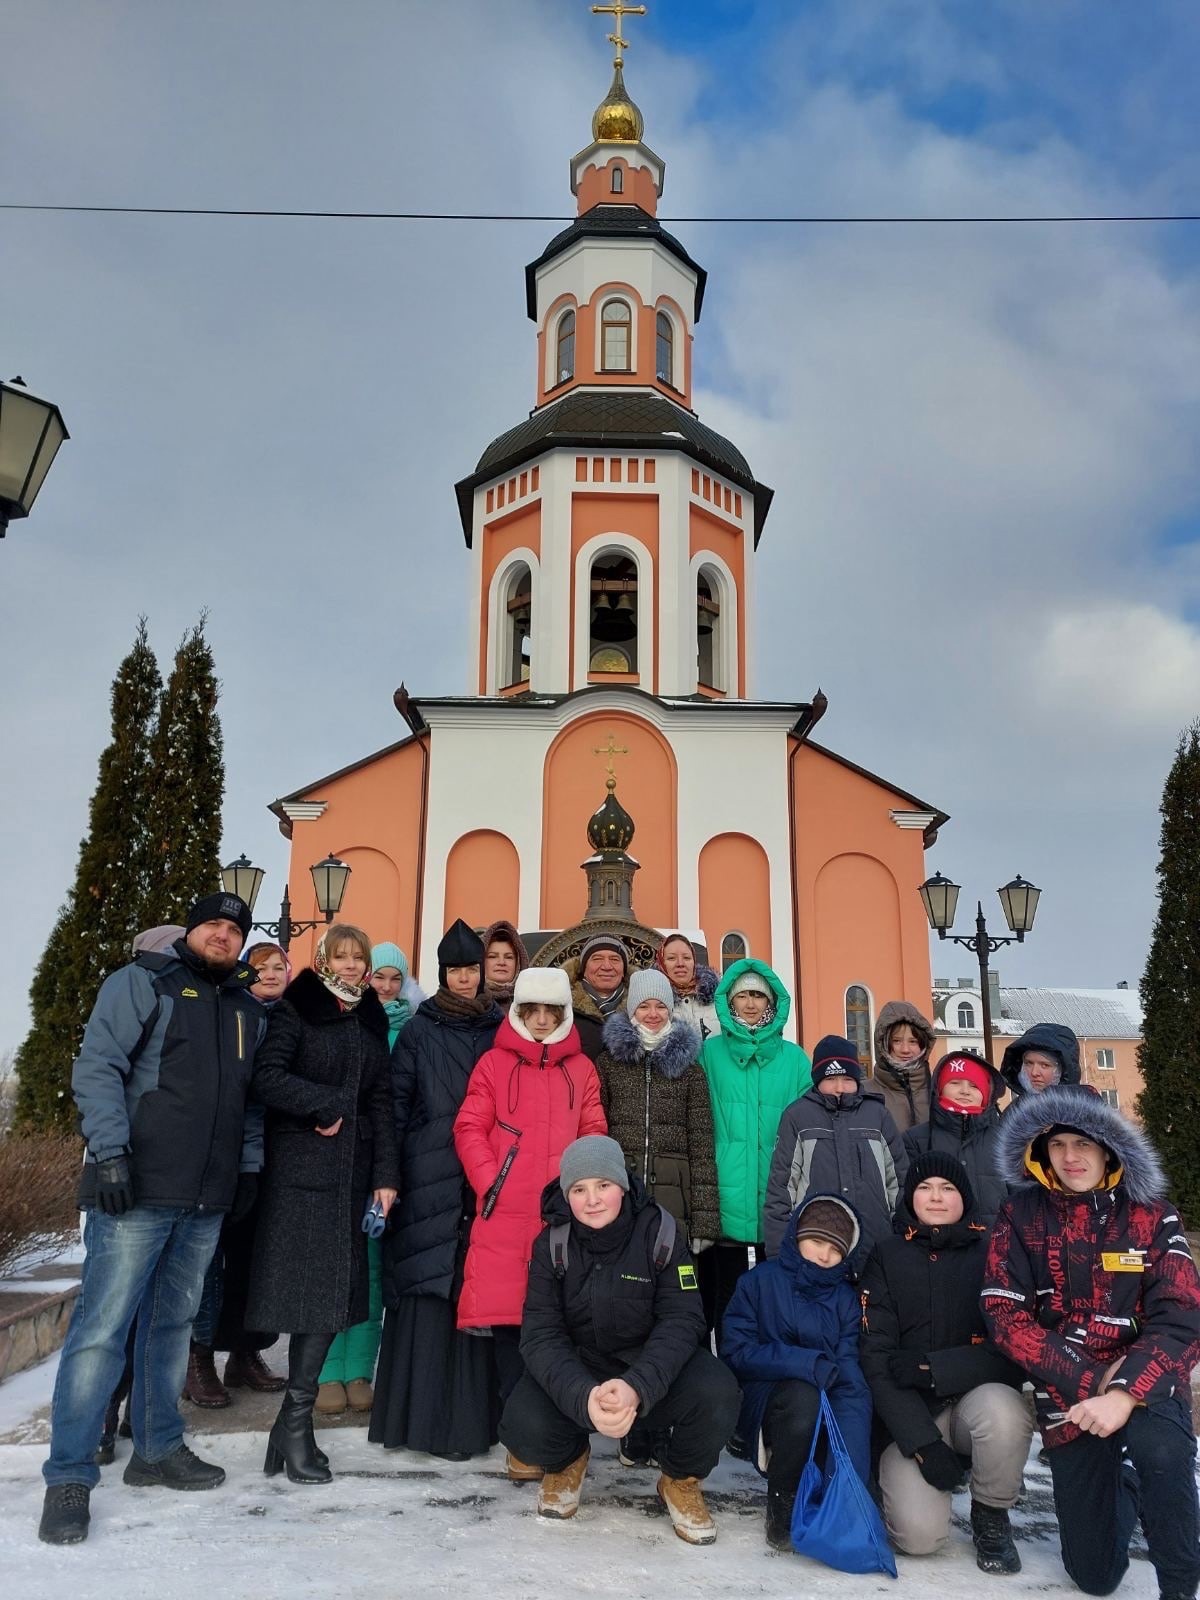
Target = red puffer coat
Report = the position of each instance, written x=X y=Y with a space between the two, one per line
x=528 y=1101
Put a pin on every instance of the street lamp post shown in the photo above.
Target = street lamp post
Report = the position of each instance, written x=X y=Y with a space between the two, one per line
x=1019 y=898
x=31 y=431
x=244 y=879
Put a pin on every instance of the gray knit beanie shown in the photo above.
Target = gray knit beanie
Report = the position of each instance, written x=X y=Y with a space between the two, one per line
x=594 y=1156
x=648 y=983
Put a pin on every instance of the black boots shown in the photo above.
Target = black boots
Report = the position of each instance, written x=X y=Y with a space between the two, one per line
x=291 y=1446
x=779 y=1516
x=65 y=1514
x=994 y=1547
x=182 y=1469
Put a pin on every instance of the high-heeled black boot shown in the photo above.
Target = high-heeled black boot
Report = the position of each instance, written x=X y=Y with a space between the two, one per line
x=291 y=1446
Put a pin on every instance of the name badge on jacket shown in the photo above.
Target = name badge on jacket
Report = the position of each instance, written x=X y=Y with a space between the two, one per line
x=1115 y=1261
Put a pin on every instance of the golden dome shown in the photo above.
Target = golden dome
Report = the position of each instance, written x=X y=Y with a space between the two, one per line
x=617 y=118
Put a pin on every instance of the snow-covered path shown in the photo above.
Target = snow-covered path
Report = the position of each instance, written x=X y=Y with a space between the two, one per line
x=394 y=1524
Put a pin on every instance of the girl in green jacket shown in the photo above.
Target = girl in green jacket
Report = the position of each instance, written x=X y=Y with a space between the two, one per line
x=754 y=1074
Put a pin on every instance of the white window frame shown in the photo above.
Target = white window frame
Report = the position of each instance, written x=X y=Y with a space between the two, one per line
x=498 y=617
x=614 y=544
x=1103 y=1065
x=725 y=653
x=628 y=297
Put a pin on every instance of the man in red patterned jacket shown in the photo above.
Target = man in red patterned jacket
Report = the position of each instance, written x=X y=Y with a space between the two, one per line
x=1090 y=1287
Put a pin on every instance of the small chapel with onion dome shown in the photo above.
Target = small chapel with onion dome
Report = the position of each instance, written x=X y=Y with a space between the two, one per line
x=612 y=541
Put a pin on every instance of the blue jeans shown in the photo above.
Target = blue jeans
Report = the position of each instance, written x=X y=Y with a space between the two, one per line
x=150 y=1263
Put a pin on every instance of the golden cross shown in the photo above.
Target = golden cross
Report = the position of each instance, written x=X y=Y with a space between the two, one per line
x=611 y=749
x=620 y=11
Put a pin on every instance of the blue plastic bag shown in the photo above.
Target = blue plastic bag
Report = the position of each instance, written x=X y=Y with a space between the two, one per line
x=834 y=1519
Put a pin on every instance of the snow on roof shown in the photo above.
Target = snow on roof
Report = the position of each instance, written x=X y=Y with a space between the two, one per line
x=1090 y=1013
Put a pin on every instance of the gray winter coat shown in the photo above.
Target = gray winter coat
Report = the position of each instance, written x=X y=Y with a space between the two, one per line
x=905 y=1090
x=845 y=1145
x=316 y=1064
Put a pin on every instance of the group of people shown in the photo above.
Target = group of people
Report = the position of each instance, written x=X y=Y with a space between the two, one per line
x=604 y=1199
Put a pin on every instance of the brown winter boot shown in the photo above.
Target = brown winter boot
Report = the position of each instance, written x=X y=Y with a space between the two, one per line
x=202 y=1386
x=688 y=1513
x=246 y=1369
x=360 y=1396
x=331 y=1399
x=521 y=1471
x=559 y=1494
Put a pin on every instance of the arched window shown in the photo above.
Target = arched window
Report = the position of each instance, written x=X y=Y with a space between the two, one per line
x=517 y=622
x=564 y=361
x=733 y=948
x=966 y=1016
x=614 y=615
x=858 y=1023
x=616 y=327
x=664 y=348
x=709 y=655
x=618 y=179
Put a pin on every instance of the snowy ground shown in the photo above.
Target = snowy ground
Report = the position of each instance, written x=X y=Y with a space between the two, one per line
x=395 y=1524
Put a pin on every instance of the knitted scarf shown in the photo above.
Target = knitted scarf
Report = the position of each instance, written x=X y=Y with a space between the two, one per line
x=457 y=1005
x=605 y=1004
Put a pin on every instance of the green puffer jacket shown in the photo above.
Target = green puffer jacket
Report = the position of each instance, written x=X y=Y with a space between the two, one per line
x=752 y=1078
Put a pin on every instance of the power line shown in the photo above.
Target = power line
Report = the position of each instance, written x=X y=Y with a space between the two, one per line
x=529 y=216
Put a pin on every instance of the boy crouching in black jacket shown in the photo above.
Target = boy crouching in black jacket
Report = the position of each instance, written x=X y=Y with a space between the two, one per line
x=944 y=1393
x=612 y=1331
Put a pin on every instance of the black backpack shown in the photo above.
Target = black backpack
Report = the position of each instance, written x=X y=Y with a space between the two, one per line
x=664 y=1243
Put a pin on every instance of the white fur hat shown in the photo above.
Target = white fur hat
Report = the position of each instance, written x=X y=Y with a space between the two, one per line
x=547 y=986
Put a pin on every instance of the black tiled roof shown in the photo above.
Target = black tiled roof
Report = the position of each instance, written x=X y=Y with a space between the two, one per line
x=613 y=419
x=612 y=222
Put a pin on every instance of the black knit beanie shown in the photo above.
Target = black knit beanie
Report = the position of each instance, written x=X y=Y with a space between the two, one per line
x=937 y=1164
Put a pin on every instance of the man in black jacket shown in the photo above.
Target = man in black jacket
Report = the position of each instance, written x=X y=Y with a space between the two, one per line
x=612 y=1331
x=941 y=1389
x=161 y=1085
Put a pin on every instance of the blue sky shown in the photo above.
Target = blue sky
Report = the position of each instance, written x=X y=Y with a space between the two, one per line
x=984 y=545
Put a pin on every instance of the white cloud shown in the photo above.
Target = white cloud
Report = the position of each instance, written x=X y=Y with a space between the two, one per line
x=1128 y=665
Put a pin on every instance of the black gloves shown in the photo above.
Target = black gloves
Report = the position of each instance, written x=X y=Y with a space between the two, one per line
x=244 y=1196
x=940 y=1467
x=114 y=1186
x=910 y=1369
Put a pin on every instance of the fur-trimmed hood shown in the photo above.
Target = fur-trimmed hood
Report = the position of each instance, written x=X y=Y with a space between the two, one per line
x=672 y=1058
x=313 y=1003
x=1142 y=1176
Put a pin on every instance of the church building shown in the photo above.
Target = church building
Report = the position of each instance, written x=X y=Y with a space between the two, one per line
x=612 y=541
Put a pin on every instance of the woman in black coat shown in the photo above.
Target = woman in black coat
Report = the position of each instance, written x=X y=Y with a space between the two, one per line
x=322 y=1073
x=942 y=1390
x=435 y=1387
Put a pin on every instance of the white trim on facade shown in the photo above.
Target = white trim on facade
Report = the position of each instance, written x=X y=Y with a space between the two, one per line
x=497 y=613
x=615 y=543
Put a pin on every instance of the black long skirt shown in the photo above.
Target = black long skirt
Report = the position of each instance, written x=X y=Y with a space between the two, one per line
x=435 y=1388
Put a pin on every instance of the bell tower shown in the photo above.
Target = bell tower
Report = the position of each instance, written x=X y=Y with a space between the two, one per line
x=612 y=533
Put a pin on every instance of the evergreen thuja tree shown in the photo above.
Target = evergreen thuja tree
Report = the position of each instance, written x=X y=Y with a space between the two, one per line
x=1169 y=1056
x=189 y=783
x=107 y=904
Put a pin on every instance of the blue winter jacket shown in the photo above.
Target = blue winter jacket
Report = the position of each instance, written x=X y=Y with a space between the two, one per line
x=790 y=1318
x=164 y=1073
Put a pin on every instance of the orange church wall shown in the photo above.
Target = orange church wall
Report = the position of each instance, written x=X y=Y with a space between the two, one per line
x=735 y=894
x=380 y=803
x=858 y=914
x=483 y=878
x=501 y=536
x=711 y=533
x=647 y=785
x=595 y=187
x=600 y=513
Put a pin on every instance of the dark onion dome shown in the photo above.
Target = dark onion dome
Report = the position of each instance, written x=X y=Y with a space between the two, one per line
x=612 y=222
x=610 y=828
x=614 y=419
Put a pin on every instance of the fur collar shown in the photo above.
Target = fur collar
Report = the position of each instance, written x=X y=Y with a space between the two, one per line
x=706 y=984
x=1143 y=1179
x=314 y=1004
x=673 y=1057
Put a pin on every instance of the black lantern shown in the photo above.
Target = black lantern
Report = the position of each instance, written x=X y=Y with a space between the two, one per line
x=1020 y=901
x=329 y=881
x=31 y=431
x=244 y=879
x=941 y=901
